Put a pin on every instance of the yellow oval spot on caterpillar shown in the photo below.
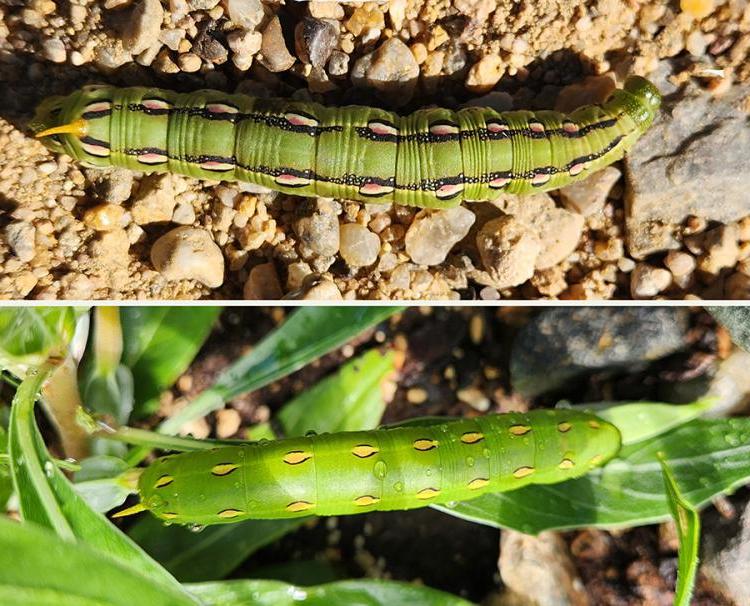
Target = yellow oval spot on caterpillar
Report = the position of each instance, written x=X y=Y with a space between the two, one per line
x=594 y=424
x=295 y=457
x=478 y=483
x=364 y=450
x=472 y=437
x=428 y=493
x=223 y=469
x=299 y=506
x=164 y=480
x=523 y=472
x=519 y=430
x=566 y=464
x=365 y=500
x=423 y=444
x=169 y=515
x=564 y=427
x=596 y=460
x=230 y=513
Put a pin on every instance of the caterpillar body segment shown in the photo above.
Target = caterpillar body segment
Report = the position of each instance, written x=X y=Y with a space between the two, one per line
x=433 y=158
x=386 y=469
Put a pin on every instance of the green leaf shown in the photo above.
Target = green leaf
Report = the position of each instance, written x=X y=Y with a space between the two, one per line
x=710 y=457
x=6 y=481
x=364 y=592
x=305 y=336
x=98 y=482
x=47 y=498
x=737 y=321
x=39 y=568
x=688 y=524
x=29 y=335
x=211 y=553
x=159 y=345
x=217 y=550
x=643 y=420
x=352 y=397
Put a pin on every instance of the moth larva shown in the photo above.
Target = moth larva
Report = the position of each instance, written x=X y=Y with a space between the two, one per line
x=385 y=469
x=433 y=158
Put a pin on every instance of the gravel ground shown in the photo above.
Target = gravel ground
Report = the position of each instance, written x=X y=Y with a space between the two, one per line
x=673 y=221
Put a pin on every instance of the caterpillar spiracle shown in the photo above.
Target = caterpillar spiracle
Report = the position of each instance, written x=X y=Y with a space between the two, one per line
x=432 y=158
x=384 y=469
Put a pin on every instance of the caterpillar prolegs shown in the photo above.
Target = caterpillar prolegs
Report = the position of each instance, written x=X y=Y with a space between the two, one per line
x=385 y=469
x=433 y=158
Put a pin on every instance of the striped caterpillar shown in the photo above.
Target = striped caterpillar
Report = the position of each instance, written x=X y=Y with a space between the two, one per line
x=433 y=158
x=384 y=469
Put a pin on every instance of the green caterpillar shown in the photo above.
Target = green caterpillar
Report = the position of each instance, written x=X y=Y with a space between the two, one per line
x=395 y=468
x=433 y=158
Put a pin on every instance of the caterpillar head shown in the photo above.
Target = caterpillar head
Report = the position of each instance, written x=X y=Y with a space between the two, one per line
x=641 y=99
x=77 y=125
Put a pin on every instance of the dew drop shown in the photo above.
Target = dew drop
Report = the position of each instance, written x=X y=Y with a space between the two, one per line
x=196 y=527
x=311 y=433
x=470 y=461
x=380 y=469
x=167 y=522
x=451 y=504
x=49 y=468
x=264 y=442
x=428 y=472
x=398 y=487
x=486 y=453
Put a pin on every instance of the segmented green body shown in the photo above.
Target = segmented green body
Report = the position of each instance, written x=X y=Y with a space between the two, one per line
x=385 y=469
x=433 y=158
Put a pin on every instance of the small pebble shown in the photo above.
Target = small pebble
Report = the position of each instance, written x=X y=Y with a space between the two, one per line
x=358 y=245
x=647 y=281
x=104 y=217
x=263 y=284
x=189 y=253
x=432 y=234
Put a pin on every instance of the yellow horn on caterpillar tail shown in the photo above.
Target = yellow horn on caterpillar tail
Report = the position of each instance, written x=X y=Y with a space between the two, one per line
x=77 y=127
x=137 y=508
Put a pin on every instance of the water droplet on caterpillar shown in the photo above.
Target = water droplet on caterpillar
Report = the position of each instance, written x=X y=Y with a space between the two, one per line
x=196 y=527
x=470 y=461
x=49 y=469
x=380 y=469
x=486 y=453
x=398 y=487
x=311 y=433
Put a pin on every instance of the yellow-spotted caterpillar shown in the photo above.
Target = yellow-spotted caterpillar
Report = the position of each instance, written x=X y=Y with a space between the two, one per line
x=432 y=158
x=400 y=467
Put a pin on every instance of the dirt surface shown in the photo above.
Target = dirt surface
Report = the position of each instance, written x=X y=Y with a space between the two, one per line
x=456 y=362
x=70 y=232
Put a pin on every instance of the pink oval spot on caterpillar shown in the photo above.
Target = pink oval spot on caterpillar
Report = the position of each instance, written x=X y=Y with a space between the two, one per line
x=499 y=182
x=95 y=149
x=576 y=169
x=497 y=127
x=375 y=189
x=449 y=190
x=155 y=104
x=301 y=120
x=221 y=108
x=152 y=158
x=216 y=165
x=292 y=180
x=536 y=127
x=382 y=128
x=540 y=179
x=444 y=129
x=570 y=127
x=98 y=106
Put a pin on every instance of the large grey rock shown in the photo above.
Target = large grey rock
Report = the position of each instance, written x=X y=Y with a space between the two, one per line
x=692 y=161
x=565 y=343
